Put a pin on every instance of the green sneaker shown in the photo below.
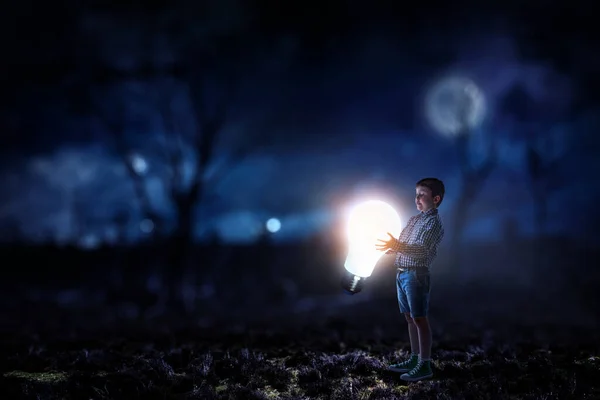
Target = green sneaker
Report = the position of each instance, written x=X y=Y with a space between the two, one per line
x=421 y=371
x=405 y=366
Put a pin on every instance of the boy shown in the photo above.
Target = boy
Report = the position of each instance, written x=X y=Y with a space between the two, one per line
x=415 y=250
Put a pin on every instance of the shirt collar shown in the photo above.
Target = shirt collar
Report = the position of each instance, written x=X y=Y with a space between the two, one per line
x=433 y=211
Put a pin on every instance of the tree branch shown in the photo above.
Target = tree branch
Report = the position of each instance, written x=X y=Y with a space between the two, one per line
x=470 y=173
x=172 y=145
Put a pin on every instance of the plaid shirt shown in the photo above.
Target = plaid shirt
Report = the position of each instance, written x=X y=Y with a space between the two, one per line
x=417 y=244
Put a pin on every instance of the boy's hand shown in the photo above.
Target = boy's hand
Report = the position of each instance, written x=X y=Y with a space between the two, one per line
x=385 y=245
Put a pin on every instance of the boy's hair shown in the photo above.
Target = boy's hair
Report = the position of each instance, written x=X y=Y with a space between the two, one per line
x=436 y=186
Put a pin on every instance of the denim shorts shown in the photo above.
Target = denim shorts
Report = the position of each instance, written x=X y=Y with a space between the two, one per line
x=413 y=292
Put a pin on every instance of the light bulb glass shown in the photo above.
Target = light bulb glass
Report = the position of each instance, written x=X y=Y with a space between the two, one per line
x=368 y=222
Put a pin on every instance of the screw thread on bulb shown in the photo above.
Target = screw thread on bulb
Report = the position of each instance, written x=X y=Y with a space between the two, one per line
x=351 y=283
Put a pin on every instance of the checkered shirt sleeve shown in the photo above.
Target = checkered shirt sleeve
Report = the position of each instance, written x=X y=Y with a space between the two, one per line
x=417 y=244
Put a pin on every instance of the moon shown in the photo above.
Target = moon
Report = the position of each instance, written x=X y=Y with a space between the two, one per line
x=273 y=225
x=454 y=105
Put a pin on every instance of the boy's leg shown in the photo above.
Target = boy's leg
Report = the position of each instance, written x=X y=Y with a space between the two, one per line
x=425 y=339
x=404 y=303
x=418 y=300
x=413 y=334
x=417 y=293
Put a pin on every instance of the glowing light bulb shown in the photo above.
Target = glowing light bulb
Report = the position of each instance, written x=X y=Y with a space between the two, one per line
x=368 y=222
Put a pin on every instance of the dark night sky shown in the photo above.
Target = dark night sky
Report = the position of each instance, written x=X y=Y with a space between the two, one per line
x=327 y=103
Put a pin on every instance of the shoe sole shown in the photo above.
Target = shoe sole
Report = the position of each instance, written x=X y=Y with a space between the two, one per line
x=400 y=370
x=420 y=378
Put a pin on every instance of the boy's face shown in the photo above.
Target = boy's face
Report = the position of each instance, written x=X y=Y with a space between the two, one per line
x=424 y=200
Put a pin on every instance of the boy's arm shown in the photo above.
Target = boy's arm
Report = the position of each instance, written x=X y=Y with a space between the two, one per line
x=430 y=235
x=392 y=251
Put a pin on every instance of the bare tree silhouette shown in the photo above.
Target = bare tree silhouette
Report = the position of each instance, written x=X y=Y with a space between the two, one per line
x=543 y=168
x=473 y=175
x=544 y=154
x=195 y=97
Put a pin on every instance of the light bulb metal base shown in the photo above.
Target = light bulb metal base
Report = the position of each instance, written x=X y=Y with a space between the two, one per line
x=351 y=283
